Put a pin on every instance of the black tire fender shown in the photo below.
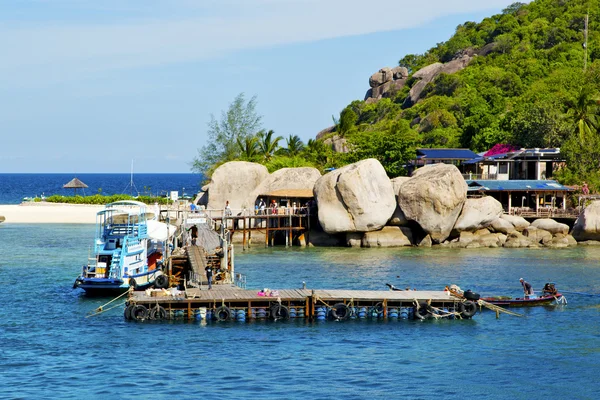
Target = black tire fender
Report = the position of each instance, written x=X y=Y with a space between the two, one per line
x=340 y=311
x=132 y=283
x=139 y=313
x=161 y=282
x=279 y=311
x=158 y=313
x=128 y=310
x=468 y=309
x=423 y=311
x=223 y=313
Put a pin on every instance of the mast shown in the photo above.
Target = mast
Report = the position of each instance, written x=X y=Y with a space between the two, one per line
x=585 y=40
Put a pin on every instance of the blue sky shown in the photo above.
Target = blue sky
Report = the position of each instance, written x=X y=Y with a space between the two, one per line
x=89 y=86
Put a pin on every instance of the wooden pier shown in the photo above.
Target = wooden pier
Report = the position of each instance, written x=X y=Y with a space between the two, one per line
x=229 y=302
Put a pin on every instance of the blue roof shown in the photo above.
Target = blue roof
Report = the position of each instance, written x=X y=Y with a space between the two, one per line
x=446 y=154
x=517 y=185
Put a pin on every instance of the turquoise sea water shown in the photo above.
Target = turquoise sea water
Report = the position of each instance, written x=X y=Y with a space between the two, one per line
x=49 y=349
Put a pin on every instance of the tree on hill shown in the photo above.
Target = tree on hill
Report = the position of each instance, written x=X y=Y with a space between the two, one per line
x=239 y=122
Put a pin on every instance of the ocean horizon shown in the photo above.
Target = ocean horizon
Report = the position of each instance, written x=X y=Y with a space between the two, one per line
x=15 y=187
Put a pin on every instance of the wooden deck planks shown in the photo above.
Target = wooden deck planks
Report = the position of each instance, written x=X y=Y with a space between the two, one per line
x=232 y=293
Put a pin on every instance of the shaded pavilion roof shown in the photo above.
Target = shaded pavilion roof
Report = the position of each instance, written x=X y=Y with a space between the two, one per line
x=74 y=184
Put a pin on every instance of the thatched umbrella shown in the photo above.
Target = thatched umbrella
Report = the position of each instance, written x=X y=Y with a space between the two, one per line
x=75 y=184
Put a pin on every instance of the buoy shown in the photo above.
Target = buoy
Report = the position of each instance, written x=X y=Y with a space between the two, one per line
x=321 y=313
x=392 y=313
x=241 y=315
x=362 y=312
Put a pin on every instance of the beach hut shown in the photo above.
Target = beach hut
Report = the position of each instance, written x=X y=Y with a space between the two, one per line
x=75 y=184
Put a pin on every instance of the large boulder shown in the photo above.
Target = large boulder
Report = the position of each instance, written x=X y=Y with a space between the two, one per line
x=235 y=181
x=434 y=198
x=517 y=239
x=561 y=240
x=356 y=198
x=519 y=223
x=389 y=236
x=551 y=226
x=587 y=225
x=285 y=179
x=538 y=235
x=382 y=76
x=503 y=226
x=478 y=213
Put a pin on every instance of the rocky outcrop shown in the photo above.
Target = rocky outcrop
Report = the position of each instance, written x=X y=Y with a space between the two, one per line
x=478 y=213
x=386 y=82
x=587 y=225
x=356 y=198
x=325 y=132
x=429 y=73
x=287 y=178
x=551 y=226
x=389 y=236
x=337 y=144
x=434 y=197
x=235 y=182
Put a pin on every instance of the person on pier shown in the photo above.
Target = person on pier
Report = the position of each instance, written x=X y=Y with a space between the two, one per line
x=209 y=275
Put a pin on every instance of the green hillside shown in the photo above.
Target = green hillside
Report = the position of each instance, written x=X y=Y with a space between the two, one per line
x=531 y=90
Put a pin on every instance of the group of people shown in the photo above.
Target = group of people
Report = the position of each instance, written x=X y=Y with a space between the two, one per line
x=549 y=289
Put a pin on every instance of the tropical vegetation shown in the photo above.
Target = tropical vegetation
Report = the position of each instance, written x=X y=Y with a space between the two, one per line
x=538 y=85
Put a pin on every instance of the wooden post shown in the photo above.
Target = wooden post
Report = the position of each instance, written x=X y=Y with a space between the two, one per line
x=244 y=234
x=267 y=234
x=290 y=230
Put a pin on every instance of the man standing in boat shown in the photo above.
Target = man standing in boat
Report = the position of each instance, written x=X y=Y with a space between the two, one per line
x=527 y=289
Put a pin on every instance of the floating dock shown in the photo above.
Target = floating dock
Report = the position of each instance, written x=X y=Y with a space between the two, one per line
x=228 y=303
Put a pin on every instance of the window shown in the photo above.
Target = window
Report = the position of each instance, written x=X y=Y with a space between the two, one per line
x=503 y=168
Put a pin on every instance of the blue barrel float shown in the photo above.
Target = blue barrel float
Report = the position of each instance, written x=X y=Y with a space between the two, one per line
x=392 y=312
x=261 y=313
x=321 y=312
x=404 y=312
x=300 y=312
x=293 y=313
x=362 y=312
x=241 y=315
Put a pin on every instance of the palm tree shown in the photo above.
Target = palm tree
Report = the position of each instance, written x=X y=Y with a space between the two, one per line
x=248 y=148
x=294 y=145
x=584 y=113
x=267 y=144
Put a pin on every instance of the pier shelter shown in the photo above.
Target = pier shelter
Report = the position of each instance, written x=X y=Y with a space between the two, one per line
x=527 y=198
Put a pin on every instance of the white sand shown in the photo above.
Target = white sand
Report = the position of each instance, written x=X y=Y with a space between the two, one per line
x=49 y=213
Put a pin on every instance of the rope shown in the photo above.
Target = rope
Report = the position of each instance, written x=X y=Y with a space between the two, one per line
x=101 y=309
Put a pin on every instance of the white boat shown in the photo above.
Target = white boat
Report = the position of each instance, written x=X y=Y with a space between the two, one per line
x=129 y=245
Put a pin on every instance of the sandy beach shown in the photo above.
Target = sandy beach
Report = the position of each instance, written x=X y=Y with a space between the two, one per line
x=48 y=213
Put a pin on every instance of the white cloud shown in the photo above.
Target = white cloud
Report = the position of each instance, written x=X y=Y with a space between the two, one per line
x=54 y=51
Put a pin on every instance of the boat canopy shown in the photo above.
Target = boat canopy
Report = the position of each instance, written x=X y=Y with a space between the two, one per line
x=159 y=230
